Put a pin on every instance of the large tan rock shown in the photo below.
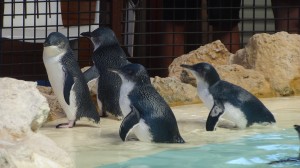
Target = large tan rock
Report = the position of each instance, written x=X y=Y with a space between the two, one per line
x=214 y=53
x=277 y=57
x=23 y=110
x=174 y=91
x=248 y=79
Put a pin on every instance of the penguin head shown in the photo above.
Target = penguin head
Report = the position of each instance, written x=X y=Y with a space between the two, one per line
x=133 y=72
x=54 y=45
x=56 y=39
x=203 y=71
x=101 y=36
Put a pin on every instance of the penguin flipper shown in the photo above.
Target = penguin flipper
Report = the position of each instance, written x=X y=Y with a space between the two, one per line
x=91 y=74
x=69 y=81
x=128 y=123
x=214 y=115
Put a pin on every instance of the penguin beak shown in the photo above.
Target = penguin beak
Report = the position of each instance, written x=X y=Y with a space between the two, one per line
x=86 y=34
x=190 y=67
x=47 y=43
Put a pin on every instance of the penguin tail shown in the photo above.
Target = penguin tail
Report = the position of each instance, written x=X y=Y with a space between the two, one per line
x=179 y=139
x=92 y=115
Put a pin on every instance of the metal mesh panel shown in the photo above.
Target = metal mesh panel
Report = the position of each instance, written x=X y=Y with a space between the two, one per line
x=152 y=32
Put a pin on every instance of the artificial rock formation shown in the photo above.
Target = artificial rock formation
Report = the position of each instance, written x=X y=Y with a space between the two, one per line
x=275 y=56
x=214 y=53
x=174 y=91
x=249 y=79
x=23 y=110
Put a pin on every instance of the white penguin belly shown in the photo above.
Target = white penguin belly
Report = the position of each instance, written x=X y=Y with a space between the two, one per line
x=142 y=131
x=56 y=77
x=124 y=101
x=235 y=115
x=206 y=97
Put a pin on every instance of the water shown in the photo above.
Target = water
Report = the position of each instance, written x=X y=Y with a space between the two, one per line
x=100 y=146
x=253 y=151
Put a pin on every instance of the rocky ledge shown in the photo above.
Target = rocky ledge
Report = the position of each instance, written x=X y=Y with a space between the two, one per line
x=23 y=110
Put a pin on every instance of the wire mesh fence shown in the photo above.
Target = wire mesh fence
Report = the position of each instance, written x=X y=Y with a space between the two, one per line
x=152 y=32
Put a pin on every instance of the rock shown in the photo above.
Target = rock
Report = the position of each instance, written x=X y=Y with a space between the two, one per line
x=5 y=159
x=35 y=151
x=22 y=104
x=214 y=53
x=56 y=112
x=23 y=110
x=248 y=79
x=174 y=91
x=277 y=57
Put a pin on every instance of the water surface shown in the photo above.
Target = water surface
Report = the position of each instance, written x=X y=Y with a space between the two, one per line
x=93 y=145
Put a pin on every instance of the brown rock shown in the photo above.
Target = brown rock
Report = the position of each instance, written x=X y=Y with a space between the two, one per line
x=248 y=79
x=174 y=91
x=277 y=57
x=214 y=53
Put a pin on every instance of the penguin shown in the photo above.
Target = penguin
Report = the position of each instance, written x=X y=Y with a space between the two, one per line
x=107 y=54
x=227 y=100
x=297 y=128
x=146 y=114
x=67 y=80
x=290 y=159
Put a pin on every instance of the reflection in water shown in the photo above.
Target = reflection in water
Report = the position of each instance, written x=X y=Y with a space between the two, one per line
x=101 y=146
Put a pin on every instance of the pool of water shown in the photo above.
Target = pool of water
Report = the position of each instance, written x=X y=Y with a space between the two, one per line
x=253 y=151
x=99 y=146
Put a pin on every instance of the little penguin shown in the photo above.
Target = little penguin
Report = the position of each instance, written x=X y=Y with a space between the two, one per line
x=146 y=114
x=290 y=159
x=67 y=80
x=297 y=128
x=227 y=100
x=107 y=54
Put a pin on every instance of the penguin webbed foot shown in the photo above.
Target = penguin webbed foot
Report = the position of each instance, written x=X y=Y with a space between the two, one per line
x=70 y=124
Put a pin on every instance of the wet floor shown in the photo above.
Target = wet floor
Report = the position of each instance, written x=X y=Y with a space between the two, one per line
x=93 y=145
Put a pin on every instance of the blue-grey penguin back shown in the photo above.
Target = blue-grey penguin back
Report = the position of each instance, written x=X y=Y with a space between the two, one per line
x=74 y=79
x=108 y=54
x=85 y=105
x=152 y=108
x=253 y=109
